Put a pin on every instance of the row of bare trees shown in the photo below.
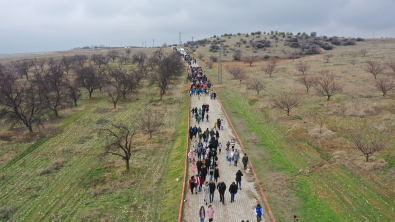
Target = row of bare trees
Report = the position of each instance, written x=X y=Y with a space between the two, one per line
x=49 y=87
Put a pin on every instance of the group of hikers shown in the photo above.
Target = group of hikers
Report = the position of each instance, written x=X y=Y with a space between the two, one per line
x=206 y=150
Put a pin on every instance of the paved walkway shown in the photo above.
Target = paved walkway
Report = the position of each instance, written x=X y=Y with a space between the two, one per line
x=245 y=199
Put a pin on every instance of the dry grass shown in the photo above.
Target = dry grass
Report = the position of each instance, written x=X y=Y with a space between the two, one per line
x=54 y=165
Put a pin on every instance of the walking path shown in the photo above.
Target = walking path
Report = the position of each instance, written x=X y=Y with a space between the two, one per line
x=246 y=199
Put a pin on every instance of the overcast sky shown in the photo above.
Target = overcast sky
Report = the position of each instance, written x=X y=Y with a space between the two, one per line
x=51 y=25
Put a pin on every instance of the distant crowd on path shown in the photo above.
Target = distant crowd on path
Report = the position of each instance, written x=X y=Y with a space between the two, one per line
x=206 y=149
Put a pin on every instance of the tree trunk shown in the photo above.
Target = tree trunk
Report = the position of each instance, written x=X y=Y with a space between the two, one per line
x=150 y=135
x=30 y=128
x=328 y=98
x=75 y=102
x=55 y=111
x=288 y=112
x=127 y=164
x=115 y=105
x=90 y=94
x=367 y=158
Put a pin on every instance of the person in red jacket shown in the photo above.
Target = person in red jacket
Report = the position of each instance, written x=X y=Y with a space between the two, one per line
x=197 y=183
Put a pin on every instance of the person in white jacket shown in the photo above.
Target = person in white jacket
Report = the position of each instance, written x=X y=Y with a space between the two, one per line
x=206 y=192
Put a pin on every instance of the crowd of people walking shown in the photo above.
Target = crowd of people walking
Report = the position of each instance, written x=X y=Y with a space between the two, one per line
x=204 y=155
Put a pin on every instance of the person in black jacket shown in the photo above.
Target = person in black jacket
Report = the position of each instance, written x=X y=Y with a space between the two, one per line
x=208 y=162
x=199 y=166
x=239 y=174
x=212 y=189
x=221 y=187
x=233 y=191
x=216 y=174
x=204 y=173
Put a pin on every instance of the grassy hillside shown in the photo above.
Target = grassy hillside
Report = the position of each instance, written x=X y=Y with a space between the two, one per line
x=57 y=174
x=305 y=162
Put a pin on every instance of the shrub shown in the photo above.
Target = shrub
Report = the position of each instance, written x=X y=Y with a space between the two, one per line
x=213 y=58
x=237 y=55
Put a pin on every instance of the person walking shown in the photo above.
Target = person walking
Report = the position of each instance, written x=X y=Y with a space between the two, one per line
x=211 y=171
x=233 y=191
x=210 y=213
x=236 y=157
x=193 y=168
x=207 y=117
x=233 y=142
x=197 y=183
x=212 y=189
x=245 y=161
x=192 y=184
x=239 y=174
x=206 y=192
x=216 y=174
x=199 y=166
x=231 y=156
x=190 y=154
x=220 y=148
x=227 y=153
x=258 y=212
x=202 y=214
x=221 y=187
x=219 y=123
x=190 y=133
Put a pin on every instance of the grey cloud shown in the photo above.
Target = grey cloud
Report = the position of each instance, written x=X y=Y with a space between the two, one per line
x=47 y=25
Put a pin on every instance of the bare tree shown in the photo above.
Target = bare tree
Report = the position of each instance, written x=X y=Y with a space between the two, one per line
x=125 y=82
x=285 y=101
x=256 y=84
x=302 y=66
x=88 y=78
x=51 y=85
x=236 y=70
x=23 y=67
x=168 y=68
x=250 y=59
x=384 y=84
x=150 y=122
x=327 y=57
x=353 y=62
x=120 y=142
x=307 y=81
x=73 y=90
x=391 y=65
x=374 y=68
x=79 y=61
x=366 y=141
x=113 y=54
x=21 y=102
x=364 y=52
x=354 y=54
x=139 y=58
x=114 y=92
x=99 y=59
x=270 y=67
x=66 y=63
x=327 y=86
x=123 y=59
